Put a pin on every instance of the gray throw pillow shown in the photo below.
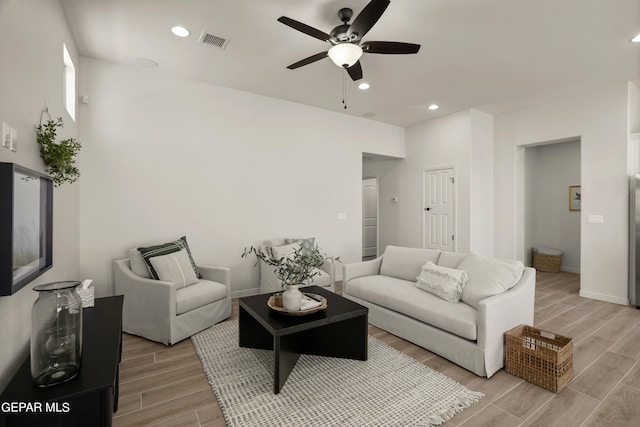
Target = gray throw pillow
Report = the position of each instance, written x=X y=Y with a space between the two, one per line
x=306 y=244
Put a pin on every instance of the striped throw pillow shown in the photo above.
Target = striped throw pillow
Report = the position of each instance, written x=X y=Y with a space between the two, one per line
x=175 y=268
x=164 y=249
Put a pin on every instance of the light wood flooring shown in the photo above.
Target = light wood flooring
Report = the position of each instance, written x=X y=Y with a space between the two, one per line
x=165 y=386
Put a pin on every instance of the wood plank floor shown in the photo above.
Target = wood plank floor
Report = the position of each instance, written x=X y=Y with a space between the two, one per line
x=165 y=386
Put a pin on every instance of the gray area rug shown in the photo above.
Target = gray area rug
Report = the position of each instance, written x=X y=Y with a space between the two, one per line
x=389 y=389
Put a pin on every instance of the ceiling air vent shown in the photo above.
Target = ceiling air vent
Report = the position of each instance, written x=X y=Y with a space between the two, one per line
x=211 y=39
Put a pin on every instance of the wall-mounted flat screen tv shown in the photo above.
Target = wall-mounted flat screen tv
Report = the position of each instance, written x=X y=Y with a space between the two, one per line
x=26 y=226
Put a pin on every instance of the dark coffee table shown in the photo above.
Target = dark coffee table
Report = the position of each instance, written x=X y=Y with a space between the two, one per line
x=340 y=330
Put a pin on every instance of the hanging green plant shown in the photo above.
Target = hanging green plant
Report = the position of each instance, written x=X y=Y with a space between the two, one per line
x=58 y=156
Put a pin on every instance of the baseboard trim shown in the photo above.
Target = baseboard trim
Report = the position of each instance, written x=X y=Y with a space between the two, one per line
x=569 y=269
x=603 y=297
x=245 y=293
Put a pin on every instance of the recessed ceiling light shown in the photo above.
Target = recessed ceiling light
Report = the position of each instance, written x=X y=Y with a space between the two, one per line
x=364 y=86
x=146 y=62
x=636 y=39
x=180 y=31
x=433 y=107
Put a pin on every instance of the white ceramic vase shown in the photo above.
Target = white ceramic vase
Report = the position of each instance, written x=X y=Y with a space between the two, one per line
x=292 y=298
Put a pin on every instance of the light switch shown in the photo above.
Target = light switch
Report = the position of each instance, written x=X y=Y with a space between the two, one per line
x=342 y=215
x=14 y=140
x=595 y=219
x=6 y=135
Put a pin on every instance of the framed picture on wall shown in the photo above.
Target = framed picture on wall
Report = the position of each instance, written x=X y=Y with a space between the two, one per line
x=575 y=195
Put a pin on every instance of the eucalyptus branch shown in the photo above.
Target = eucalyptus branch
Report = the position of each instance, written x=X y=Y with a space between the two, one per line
x=299 y=268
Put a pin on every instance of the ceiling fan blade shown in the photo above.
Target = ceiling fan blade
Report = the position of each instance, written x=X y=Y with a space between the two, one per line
x=368 y=17
x=309 y=60
x=390 y=48
x=355 y=71
x=304 y=28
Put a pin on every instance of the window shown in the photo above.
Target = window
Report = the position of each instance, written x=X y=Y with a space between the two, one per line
x=69 y=83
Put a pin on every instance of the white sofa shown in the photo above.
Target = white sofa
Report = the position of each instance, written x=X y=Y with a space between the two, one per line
x=269 y=281
x=469 y=333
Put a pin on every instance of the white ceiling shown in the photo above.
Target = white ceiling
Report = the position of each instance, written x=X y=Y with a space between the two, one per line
x=494 y=55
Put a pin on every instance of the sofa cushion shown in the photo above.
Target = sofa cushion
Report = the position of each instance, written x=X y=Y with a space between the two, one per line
x=175 y=268
x=488 y=277
x=451 y=259
x=198 y=295
x=403 y=297
x=443 y=282
x=405 y=263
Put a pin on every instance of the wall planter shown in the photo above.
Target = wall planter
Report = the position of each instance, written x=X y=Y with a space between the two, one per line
x=60 y=157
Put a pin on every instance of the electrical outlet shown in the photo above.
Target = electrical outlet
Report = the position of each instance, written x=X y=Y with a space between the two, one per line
x=14 y=140
x=6 y=135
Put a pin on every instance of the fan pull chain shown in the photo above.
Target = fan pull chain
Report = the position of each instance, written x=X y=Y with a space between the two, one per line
x=344 y=88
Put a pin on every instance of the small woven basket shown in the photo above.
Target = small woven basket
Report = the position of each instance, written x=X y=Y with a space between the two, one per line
x=546 y=262
x=540 y=357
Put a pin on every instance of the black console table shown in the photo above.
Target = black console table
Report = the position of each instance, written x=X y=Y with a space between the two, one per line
x=90 y=398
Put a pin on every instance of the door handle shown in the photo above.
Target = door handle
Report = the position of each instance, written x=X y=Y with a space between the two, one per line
x=427 y=209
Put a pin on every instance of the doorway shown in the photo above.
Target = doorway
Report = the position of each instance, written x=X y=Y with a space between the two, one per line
x=438 y=209
x=370 y=213
x=551 y=220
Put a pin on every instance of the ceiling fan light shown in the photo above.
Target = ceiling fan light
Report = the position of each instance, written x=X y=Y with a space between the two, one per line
x=345 y=54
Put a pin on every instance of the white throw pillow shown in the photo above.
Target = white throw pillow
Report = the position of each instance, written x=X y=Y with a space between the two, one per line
x=488 y=277
x=284 y=251
x=175 y=268
x=443 y=282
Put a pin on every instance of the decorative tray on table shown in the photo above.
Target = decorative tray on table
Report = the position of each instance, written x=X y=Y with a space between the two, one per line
x=307 y=298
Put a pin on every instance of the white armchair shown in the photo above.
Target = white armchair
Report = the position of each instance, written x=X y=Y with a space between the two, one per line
x=161 y=311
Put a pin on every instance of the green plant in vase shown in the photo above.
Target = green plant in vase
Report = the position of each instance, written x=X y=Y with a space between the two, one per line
x=58 y=156
x=294 y=270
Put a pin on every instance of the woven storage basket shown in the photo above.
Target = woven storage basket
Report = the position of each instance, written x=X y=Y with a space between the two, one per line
x=546 y=262
x=540 y=357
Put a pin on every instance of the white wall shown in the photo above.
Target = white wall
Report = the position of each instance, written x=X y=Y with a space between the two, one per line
x=167 y=157
x=462 y=140
x=481 y=185
x=441 y=142
x=634 y=108
x=599 y=119
x=550 y=223
x=31 y=37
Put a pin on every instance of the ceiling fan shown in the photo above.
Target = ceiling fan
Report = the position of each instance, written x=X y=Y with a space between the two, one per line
x=346 y=39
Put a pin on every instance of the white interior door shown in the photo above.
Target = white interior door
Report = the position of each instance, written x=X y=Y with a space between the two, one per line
x=370 y=217
x=438 y=210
